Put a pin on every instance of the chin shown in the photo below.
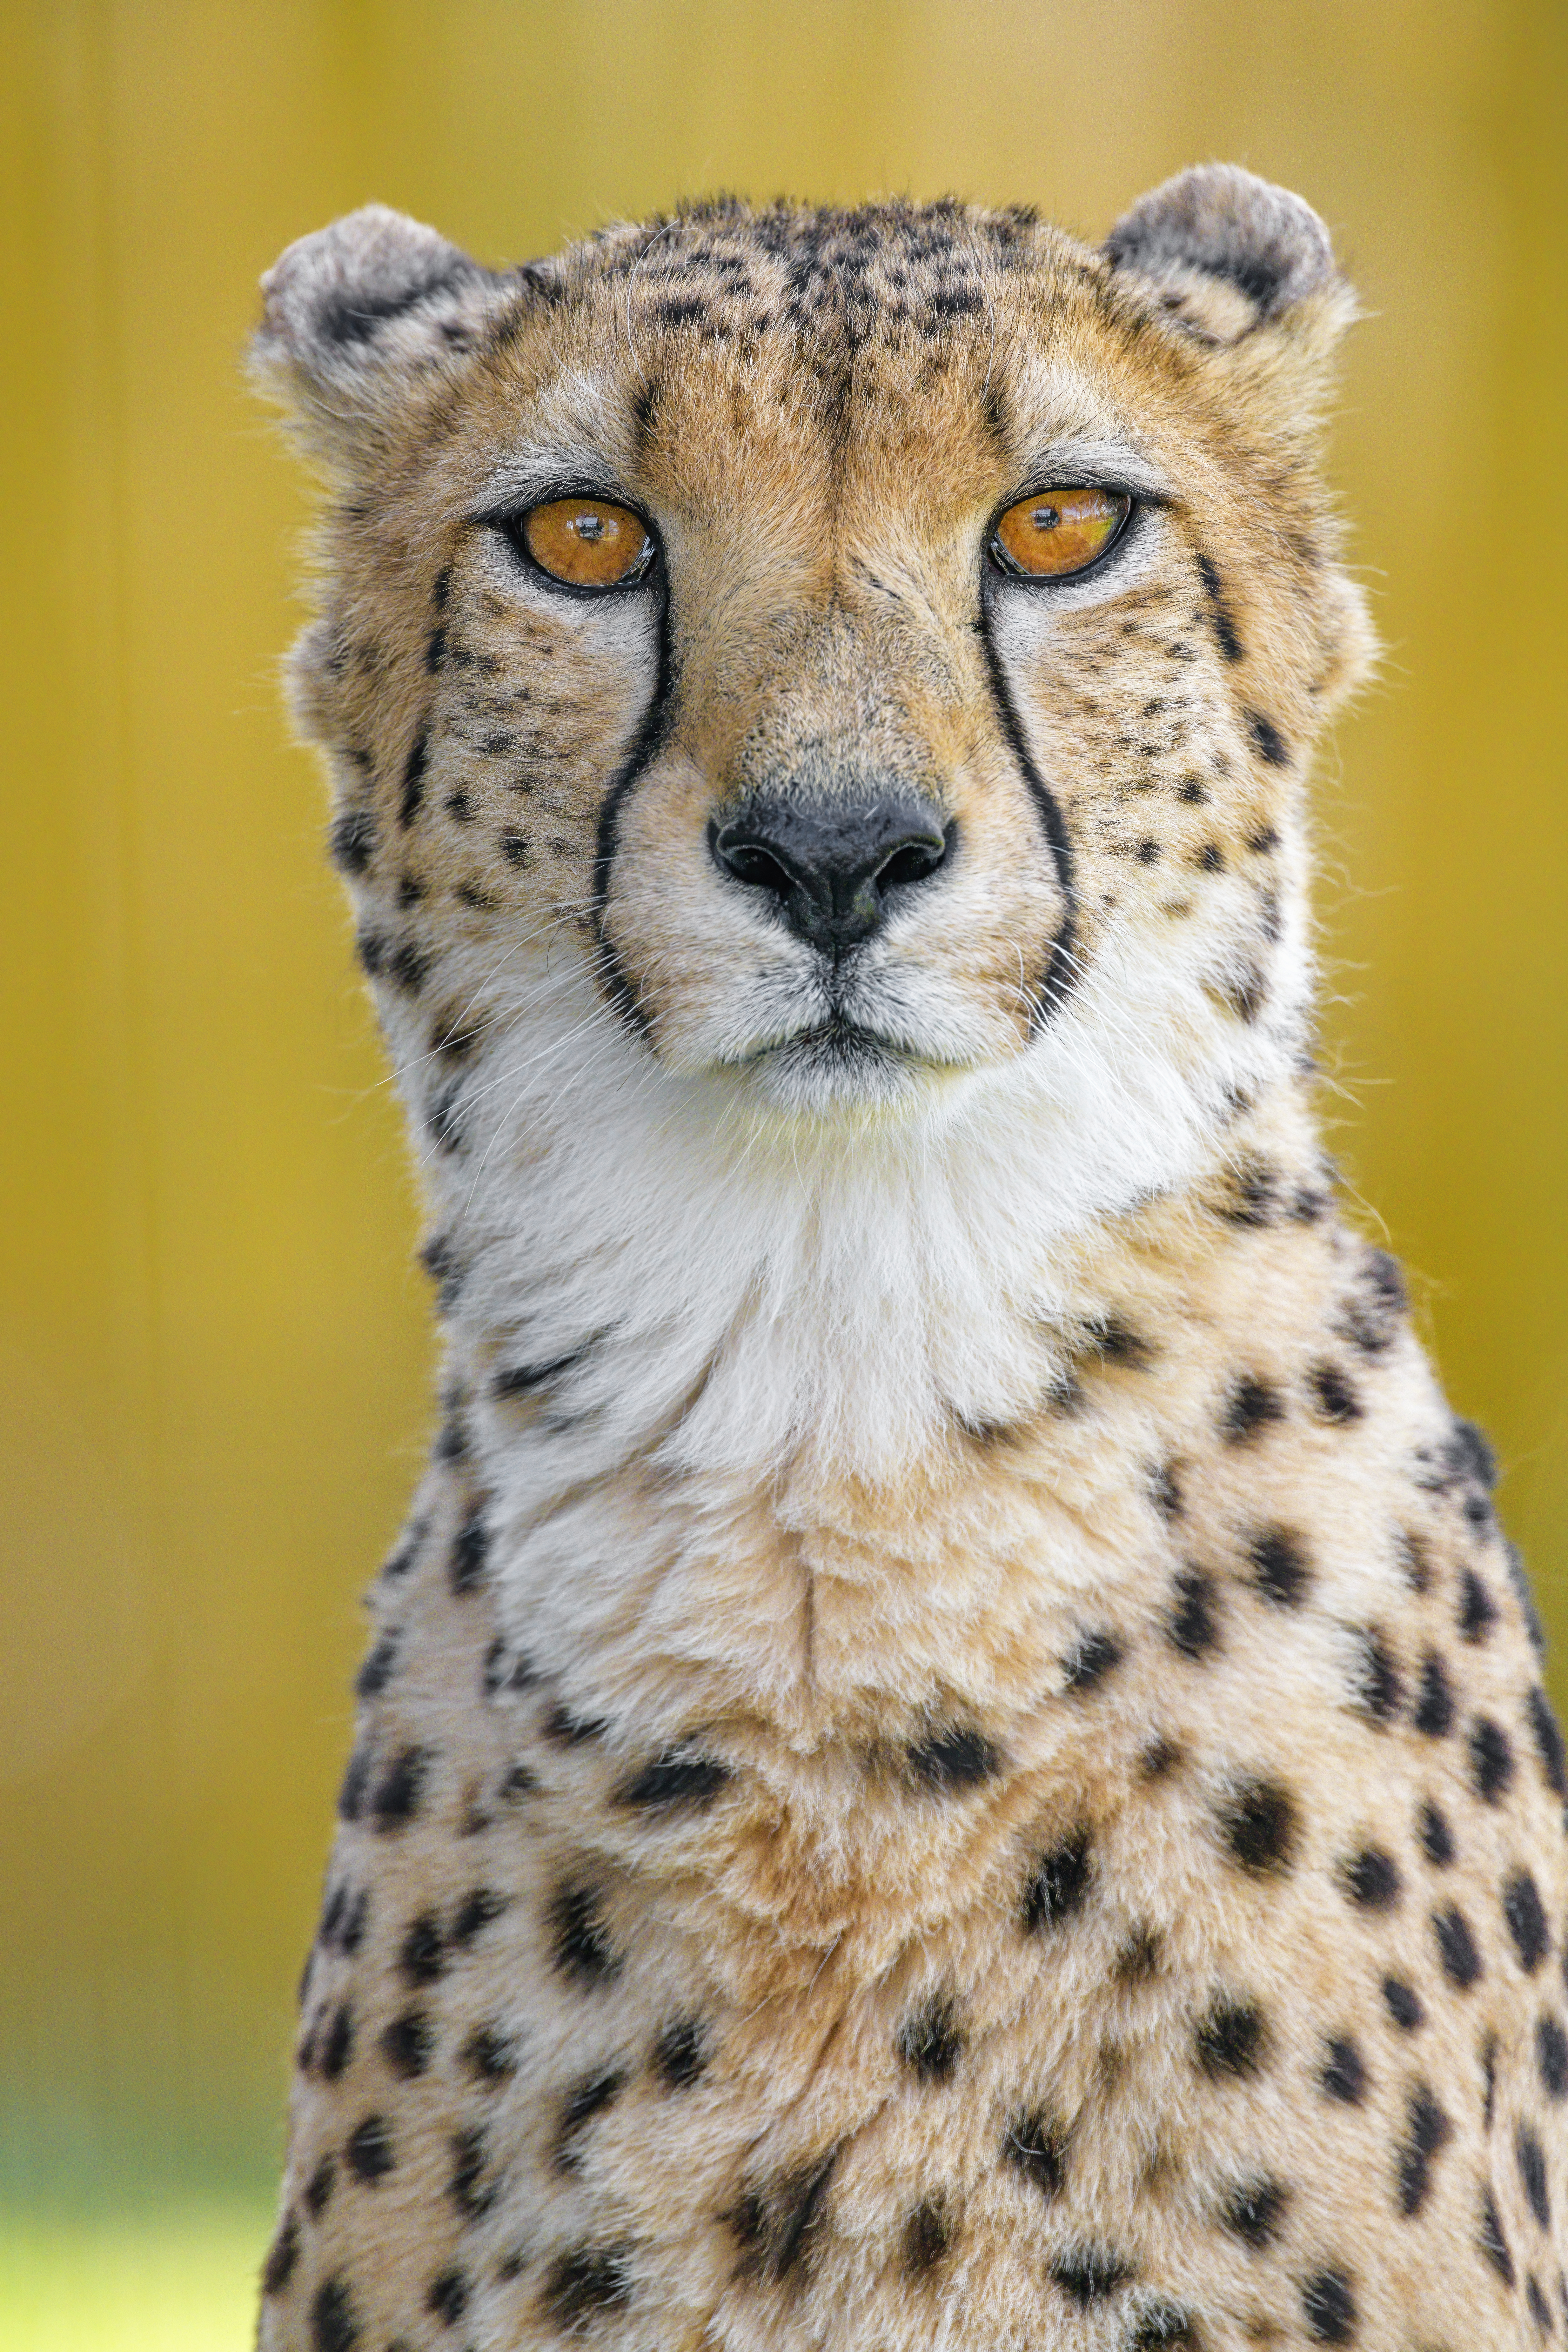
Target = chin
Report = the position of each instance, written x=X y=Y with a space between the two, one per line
x=827 y=1072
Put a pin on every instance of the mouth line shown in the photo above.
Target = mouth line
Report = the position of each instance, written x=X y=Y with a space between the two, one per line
x=839 y=1039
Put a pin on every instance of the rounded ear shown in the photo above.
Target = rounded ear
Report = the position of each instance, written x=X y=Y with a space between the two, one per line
x=1239 y=265
x=354 y=313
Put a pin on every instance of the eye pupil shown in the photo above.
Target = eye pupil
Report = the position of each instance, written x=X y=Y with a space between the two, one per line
x=586 y=542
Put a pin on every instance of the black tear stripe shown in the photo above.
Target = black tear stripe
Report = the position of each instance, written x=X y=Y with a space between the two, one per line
x=1059 y=973
x=649 y=740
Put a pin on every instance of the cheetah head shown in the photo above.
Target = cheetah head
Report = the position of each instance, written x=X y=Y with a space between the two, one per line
x=802 y=667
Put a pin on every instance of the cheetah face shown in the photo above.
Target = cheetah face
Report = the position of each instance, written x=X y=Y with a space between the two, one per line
x=820 y=797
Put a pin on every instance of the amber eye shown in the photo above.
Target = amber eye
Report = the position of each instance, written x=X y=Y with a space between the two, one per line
x=587 y=543
x=1057 y=532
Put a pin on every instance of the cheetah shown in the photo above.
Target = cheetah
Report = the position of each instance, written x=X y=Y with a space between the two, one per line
x=952 y=1754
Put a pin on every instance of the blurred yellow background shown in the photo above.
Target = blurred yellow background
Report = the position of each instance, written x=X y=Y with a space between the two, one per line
x=213 y=1362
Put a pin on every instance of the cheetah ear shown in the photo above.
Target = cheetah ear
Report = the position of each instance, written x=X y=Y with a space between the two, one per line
x=358 y=316
x=1236 y=263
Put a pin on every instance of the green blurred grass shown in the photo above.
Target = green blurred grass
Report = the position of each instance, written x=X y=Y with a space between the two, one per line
x=182 y=2279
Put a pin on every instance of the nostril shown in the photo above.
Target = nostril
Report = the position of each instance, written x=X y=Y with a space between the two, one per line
x=750 y=863
x=911 y=861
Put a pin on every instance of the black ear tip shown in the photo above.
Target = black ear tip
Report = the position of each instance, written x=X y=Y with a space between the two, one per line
x=1226 y=223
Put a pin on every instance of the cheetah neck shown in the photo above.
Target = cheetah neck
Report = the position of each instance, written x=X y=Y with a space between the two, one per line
x=752 y=1416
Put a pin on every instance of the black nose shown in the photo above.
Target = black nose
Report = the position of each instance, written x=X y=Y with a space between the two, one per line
x=831 y=866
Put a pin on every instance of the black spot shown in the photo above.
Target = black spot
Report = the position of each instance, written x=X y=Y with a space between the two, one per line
x=459 y=806
x=282 y=2256
x=1551 y=2057
x=369 y=2149
x=1230 y=2040
x=1229 y=644
x=1333 y=1399
x=506 y=1669
x=1492 y=2243
x=777 y=2225
x=1426 y=2130
x=396 y=1800
x=562 y=1729
x=583 y=2281
x=1478 y=1610
x=370 y=947
x=1370 y=1315
x=581 y=2102
x=350 y=1796
x=673 y=1779
x=1260 y=1823
x=1437 y=1837
x=490 y=2054
x=1531 y=2163
x=1036 y=2145
x=1327 y=2307
x=469 y=2191
x=1089 y=2273
x=1279 y=1567
x=1091 y=1661
x=1250 y=1406
x=1371 y=1879
x=435 y=650
x=1345 y=2075
x=377 y=1670
x=929 y=2039
x=448 y=2297
x=414 y=776
x=1160 y=1758
x=928 y=2234
x=1252 y=2210
x=470 y=1545
x=334 y=2325
x=407 y=2043
x=583 y=1949
x=1376 y=1683
x=1058 y=1884
x=1435 y=1704
x=1488 y=2078
x=1523 y=1910
x=1491 y=1759
x=1162 y=2325
x=1190 y=789
x=1267 y=739
x=680 y=2054
x=352 y=840
x=1191 y=1626
x=338 y=2044
x=519 y=1780
x=1456 y=1948
x=319 y=2187
x=1165 y=1488
x=523 y=1380
x=423 y=1957
x=958 y=1759
x=1138 y=1954
x=1211 y=858
x=514 y=848
x=1539 y=2309
x=1403 y=2003
x=1548 y=1740
x=476 y=1912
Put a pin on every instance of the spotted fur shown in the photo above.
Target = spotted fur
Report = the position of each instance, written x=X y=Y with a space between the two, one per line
x=953 y=1755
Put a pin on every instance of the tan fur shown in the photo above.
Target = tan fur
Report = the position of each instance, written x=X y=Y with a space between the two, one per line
x=897 y=1799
